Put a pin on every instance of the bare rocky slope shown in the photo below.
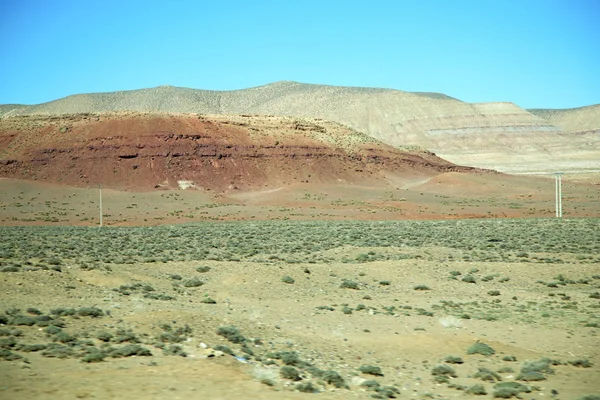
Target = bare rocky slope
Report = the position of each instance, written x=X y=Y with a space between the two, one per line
x=499 y=136
x=220 y=153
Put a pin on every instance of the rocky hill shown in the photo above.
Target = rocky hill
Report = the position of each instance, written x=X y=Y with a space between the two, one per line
x=499 y=136
x=219 y=153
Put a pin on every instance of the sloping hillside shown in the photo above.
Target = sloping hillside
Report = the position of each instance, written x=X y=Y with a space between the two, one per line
x=499 y=136
x=135 y=150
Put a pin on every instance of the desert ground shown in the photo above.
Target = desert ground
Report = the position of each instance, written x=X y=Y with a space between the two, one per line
x=278 y=309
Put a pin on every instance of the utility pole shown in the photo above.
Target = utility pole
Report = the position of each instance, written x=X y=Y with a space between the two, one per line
x=100 y=186
x=558 y=193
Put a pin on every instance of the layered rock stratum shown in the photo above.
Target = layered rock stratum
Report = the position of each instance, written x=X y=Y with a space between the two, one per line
x=220 y=153
x=500 y=136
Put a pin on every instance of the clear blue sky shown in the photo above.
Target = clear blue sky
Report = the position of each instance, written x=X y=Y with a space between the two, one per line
x=537 y=54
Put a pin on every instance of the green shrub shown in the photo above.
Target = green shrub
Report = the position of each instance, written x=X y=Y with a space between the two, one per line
x=453 y=360
x=421 y=287
x=23 y=320
x=486 y=374
x=192 y=283
x=480 y=348
x=126 y=335
x=532 y=371
x=104 y=336
x=52 y=330
x=231 y=333
x=203 y=269
x=385 y=283
x=348 y=284
x=174 y=350
x=581 y=363
x=291 y=373
x=445 y=370
x=506 y=390
x=7 y=343
x=55 y=350
x=208 y=300
x=371 y=384
x=370 y=370
x=130 y=350
x=306 y=387
x=469 y=279
x=224 y=349
x=94 y=356
x=494 y=293
x=8 y=355
x=387 y=392
x=288 y=279
x=90 y=312
x=334 y=378
x=477 y=390
x=509 y=358
x=63 y=312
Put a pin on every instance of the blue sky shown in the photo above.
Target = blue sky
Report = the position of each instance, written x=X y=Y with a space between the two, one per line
x=537 y=54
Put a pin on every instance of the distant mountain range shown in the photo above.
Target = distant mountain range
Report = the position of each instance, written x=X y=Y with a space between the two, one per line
x=499 y=136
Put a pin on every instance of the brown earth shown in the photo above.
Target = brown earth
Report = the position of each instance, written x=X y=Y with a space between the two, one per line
x=217 y=153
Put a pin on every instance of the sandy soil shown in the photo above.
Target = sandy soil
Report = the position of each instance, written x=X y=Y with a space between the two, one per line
x=404 y=343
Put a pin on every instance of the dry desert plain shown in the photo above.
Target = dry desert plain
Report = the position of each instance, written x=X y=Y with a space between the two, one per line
x=333 y=292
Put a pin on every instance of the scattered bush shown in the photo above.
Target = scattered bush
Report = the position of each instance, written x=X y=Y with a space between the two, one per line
x=288 y=279
x=94 y=356
x=130 y=350
x=335 y=379
x=348 y=284
x=477 y=390
x=453 y=360
x=506 y=390
x=231 y=333
x=481 y=348
x=174 y=350
x=469 y=279
x=421 y=287
x=192 y=283
x=306 y=387
x=224 y=349
x=581 y=363
x=445 y=370
x=290 y=373
x=370 y=370
x=486 y=374
x=23 y=320
x=90 y=312
x=532 y=371
x=371 y=384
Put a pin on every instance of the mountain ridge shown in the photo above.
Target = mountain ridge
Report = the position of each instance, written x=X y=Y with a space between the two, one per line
x=494 y=135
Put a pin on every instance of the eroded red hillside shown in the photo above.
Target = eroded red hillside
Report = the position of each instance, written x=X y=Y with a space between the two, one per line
x=144 y=151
